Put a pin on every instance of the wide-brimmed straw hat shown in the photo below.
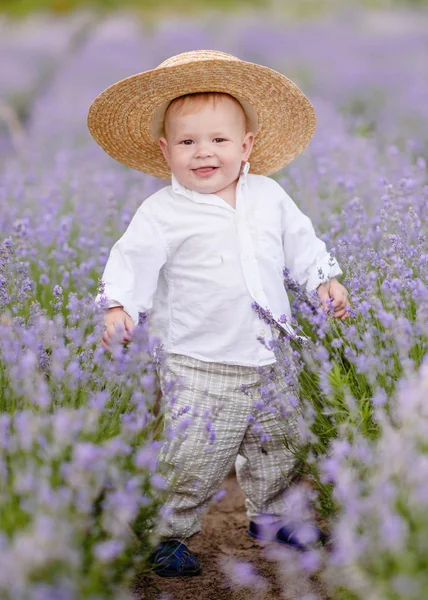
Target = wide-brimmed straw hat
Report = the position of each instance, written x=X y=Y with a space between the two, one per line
x=126 y=119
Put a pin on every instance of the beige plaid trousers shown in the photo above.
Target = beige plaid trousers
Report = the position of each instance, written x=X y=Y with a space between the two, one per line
x=212 y=424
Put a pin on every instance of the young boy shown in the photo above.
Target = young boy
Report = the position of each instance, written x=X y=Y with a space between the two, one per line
x=196 y=257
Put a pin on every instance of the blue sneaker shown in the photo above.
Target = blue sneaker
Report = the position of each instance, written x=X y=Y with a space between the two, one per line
x=172 y=558
x=291 y=534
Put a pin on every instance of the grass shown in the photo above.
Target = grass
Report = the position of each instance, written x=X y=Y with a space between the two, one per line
x=299 y=9
x=23 y=7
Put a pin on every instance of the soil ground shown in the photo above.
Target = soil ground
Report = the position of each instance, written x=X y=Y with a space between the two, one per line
x=224 y=539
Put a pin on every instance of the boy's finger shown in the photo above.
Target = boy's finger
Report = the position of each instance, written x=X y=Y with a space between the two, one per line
x=129 y=324
x=339 y=314
x=339 y=305
x=129 y=328
x=323 y=294
x=340 y=302
x=114 y=333
x=106 y=343
x=115 y=330
x=343 y=313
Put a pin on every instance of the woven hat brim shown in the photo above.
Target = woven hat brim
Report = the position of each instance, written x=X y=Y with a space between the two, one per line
x=120 y=117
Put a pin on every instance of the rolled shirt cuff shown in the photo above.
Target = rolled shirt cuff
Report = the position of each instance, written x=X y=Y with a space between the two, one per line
x=326 y=270
x=109 y=302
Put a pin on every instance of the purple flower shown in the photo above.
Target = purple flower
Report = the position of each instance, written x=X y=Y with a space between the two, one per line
x=109 y=550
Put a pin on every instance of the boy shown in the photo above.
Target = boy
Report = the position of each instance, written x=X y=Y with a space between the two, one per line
x=198 y=254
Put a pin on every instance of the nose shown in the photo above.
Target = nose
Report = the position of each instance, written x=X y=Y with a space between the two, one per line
x=203 y=151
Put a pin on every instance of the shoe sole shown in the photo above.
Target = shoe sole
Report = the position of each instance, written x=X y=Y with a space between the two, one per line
x=175 y=574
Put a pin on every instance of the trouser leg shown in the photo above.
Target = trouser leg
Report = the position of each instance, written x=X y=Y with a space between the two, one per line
x=197 y=460
x=265 y=466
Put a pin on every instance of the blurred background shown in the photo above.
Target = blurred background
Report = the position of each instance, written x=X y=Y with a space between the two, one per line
x=363 y=59
x=363 y=64
x=20 y=7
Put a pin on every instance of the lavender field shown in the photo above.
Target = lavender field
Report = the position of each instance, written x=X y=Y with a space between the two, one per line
x=79 y=439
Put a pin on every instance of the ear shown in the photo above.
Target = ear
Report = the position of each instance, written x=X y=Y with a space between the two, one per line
x=247 y=145
x=164 y=147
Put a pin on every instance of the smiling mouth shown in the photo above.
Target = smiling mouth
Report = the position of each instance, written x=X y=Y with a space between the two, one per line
x=204 y=171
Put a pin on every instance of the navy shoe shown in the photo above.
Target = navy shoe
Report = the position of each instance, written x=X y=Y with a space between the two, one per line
x=291 y=534
x=172 y=558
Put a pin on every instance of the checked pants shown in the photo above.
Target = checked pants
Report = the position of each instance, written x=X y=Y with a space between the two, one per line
x=212 y=424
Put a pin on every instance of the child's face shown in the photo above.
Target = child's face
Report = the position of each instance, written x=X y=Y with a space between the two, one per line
x=205 y=149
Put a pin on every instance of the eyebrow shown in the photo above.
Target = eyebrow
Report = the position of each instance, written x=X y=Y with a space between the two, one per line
x=213 y=134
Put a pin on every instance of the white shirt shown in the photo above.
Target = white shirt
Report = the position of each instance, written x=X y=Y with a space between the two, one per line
x=196 y=265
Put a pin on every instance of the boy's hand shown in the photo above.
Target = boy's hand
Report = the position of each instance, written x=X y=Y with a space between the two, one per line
x=117 y=322
x=334 y=295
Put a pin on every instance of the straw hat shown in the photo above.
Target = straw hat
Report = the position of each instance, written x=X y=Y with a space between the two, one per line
x=126 y=119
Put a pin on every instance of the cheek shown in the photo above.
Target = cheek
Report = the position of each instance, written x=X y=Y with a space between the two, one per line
x=228 y=154
x=184 y=153
x=233 y=158
x=178 y=158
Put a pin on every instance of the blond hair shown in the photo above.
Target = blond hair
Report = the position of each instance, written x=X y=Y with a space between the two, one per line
x=193 y=102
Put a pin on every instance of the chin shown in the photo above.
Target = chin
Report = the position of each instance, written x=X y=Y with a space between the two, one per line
x=205 y=189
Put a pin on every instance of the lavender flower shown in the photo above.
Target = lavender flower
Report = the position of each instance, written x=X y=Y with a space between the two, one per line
x=78 y=458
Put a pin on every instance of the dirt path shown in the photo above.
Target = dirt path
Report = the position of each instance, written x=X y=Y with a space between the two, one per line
x=222 y=541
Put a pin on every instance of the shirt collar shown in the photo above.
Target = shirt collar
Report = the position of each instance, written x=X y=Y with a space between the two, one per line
x=184 y=191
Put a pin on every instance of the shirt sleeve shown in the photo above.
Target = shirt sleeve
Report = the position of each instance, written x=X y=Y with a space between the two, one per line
x=131 y=274
x=305 y=254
